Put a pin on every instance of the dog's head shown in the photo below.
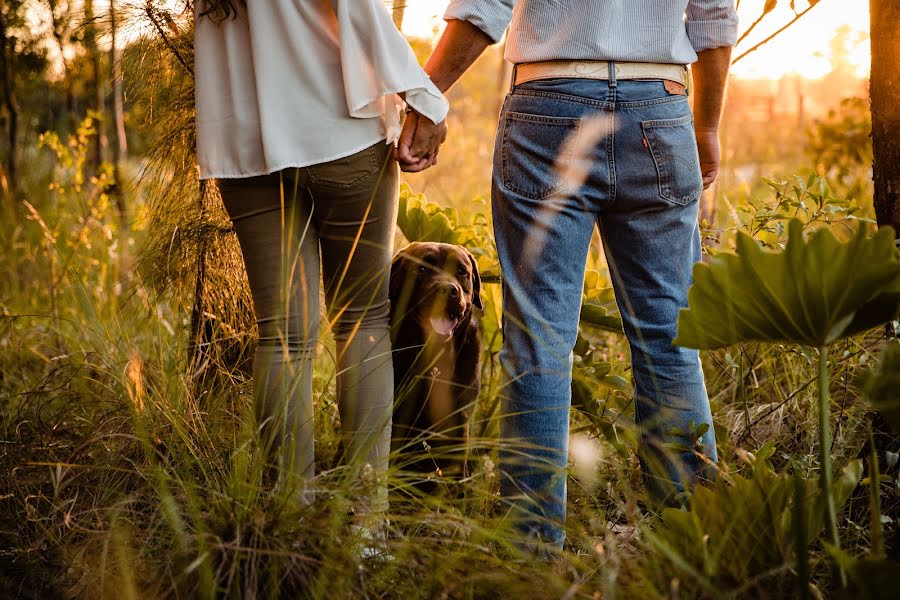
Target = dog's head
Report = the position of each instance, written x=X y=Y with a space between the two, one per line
x=437 y=285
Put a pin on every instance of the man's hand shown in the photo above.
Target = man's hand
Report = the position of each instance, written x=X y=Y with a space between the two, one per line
x=708 y=147
x=419 y=143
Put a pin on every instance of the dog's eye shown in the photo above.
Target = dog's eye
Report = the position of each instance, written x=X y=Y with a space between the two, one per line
x=461 y=272
x=423 y=269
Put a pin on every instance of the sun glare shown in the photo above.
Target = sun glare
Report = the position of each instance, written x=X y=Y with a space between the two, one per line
x=834 y=34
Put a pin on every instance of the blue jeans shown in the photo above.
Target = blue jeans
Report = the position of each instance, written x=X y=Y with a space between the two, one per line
x=572 y=154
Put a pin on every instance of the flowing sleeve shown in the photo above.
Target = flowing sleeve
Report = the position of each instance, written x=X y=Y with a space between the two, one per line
x=378 y=63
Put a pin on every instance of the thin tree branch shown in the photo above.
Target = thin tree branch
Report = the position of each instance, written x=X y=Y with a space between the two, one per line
x=756 y=47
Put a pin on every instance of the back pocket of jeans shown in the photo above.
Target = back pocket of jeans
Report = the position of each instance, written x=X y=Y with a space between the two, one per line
x=673 y=144
x=348 y=171
x=535 y=149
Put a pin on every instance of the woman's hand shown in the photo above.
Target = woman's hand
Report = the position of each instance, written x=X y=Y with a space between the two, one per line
x=419 y=143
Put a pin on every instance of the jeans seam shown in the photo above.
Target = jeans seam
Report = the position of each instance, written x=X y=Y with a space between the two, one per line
x=372 y=153
x=654 y=102
x=611 y=153
x=531 y=118
x=565 y=97
x=254 y=213
x=635 y=104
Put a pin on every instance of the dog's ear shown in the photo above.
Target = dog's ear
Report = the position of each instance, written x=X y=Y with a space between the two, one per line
x=476 y=282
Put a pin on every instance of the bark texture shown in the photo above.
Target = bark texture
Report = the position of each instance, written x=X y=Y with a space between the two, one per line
x=9 y=101
x=120 y=151
x=885 y=96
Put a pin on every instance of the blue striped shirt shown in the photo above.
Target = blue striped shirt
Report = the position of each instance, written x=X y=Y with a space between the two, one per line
x=661 y=31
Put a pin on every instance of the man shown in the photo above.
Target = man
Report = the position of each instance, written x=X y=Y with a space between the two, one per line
x=597 y=131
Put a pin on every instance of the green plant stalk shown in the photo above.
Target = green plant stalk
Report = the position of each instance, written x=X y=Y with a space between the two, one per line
x=877 y=535
x=743 y=389
x=801 y=547
x=825 y=456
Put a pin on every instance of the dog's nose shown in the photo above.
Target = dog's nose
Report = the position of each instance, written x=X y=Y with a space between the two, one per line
x=453 y=291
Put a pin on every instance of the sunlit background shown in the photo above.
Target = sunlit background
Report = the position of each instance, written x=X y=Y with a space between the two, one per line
x=834 y=30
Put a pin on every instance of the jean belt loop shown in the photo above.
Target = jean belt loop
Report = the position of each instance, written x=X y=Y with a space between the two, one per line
x=612 y=73
x=512 y=83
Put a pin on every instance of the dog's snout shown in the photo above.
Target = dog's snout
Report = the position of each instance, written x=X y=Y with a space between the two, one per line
x=453 y=291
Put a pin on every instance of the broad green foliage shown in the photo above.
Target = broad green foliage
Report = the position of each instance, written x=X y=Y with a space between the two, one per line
x=598 y=316
x=814 y=292
x=810 y=199
x=871 y=578
x=421 y=221
x=883 y=387
x=742 y=528
x=840 y=146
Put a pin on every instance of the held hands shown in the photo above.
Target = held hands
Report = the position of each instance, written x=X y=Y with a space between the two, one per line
x=419 y=143
x=710 y=155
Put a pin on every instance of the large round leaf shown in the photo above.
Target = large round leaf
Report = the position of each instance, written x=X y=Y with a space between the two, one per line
x=815 y=291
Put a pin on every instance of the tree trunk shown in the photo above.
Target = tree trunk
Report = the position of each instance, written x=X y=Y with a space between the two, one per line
x=120 y=152
x=885 y=97
x=99 y=104
x=9 y=102
x=399 y=9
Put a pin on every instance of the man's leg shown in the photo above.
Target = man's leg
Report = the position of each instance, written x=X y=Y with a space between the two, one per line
x=652 y=241
x=542 y=240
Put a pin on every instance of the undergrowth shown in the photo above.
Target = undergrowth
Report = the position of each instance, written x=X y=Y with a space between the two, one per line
x=129 y=465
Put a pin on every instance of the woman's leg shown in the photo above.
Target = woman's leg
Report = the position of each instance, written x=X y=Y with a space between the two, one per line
x=280 y=247
x=355 y=202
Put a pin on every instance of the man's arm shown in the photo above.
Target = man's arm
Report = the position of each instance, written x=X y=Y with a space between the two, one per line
x=710 y=74
x=459 y=47
x=712 y=28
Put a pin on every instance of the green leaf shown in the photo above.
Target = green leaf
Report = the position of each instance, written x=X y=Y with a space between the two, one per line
x=598 y=316
x=870 y=578
x=814 y=292
x=882 y=388
x=614 y=381
x=423 y=221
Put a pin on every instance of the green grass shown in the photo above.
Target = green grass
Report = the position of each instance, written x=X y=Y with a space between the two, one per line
x=129 y=466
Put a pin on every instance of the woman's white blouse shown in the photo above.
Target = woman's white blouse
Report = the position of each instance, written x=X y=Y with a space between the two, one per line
x=292 y=83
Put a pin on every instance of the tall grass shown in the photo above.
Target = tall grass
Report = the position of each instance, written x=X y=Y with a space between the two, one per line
x=123 y=475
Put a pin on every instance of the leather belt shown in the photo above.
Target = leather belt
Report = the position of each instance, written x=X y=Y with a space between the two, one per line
x=599 y=69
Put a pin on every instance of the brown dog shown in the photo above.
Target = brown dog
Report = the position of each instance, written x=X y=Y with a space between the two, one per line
x=435 y=290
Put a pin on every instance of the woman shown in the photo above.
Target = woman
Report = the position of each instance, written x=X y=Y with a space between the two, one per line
x=297 y=111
